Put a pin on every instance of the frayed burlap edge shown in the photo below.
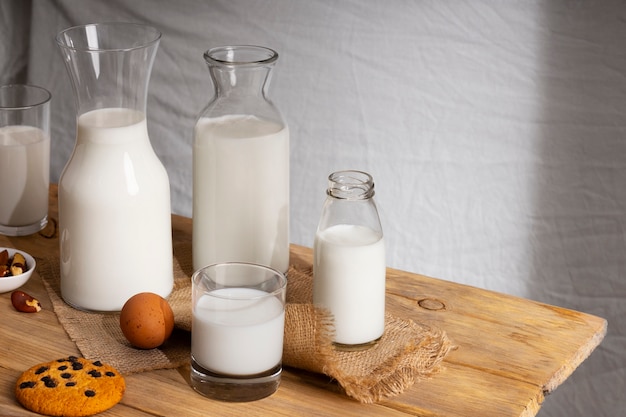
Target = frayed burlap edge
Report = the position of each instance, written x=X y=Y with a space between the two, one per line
x=417 y=359
x=406 y=353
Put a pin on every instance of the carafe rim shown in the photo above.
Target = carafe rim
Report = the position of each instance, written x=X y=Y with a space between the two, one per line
x=150 y=40
x=266 y=55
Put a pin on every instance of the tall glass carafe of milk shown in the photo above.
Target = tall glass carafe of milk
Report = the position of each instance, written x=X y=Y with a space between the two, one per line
x=241 y=165
x=114 y=195
x=349 y=261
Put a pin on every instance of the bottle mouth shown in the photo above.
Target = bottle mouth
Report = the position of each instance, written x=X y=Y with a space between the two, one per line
x=108 y=37
x=350 y=185
x=241 y=55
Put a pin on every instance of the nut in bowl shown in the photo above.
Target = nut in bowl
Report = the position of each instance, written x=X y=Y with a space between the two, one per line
x=14 y=271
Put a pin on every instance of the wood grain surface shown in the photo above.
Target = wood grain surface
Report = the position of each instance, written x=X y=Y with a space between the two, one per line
x=510 y=352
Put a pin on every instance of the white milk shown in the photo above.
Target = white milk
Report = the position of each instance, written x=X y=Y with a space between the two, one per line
x=241 y=192
x=237 y=337
x=114 y=214
x=24 y=175
x=349 y=280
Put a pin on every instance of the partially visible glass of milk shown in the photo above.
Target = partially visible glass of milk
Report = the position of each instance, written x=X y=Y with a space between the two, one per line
x=237 y=331
x=24 y=159
x=349 y=261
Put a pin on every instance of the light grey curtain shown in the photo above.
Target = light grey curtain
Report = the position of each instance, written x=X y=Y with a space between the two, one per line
x=14 y=40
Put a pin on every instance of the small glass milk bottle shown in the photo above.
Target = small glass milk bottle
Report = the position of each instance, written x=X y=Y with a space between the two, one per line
x=349 y=261
x=241 y=165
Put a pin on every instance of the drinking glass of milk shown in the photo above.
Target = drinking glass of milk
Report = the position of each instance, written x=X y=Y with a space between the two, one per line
x=24 y=159
x=349 y=261
x=237 y=331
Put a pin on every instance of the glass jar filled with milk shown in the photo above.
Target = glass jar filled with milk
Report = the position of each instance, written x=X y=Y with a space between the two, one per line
x=241 y=165
x=114 y=195
x=349 y=260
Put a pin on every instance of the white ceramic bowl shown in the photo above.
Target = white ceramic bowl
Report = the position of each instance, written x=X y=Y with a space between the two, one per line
x=13 y=282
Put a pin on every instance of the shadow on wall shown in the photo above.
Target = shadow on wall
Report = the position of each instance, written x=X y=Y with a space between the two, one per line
x=578 y=239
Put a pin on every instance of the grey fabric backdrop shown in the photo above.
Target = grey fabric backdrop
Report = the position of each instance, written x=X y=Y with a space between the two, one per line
x=495 y=132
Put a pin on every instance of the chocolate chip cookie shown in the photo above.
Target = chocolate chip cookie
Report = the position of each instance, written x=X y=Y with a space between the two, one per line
x=71 y=387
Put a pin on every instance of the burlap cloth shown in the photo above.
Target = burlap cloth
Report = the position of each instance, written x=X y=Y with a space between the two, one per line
x=407 y=352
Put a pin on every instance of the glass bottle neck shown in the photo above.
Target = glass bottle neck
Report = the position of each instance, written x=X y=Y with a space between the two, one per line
x=239 y=82
x=241 y=70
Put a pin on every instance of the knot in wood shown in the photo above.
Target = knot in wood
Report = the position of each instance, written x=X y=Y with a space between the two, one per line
x=431 y=304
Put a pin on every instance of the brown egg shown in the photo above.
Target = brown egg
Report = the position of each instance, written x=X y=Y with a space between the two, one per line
x=147 y=320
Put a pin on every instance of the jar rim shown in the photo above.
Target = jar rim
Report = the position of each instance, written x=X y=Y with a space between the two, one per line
x=350 y=185
x=241 y=55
